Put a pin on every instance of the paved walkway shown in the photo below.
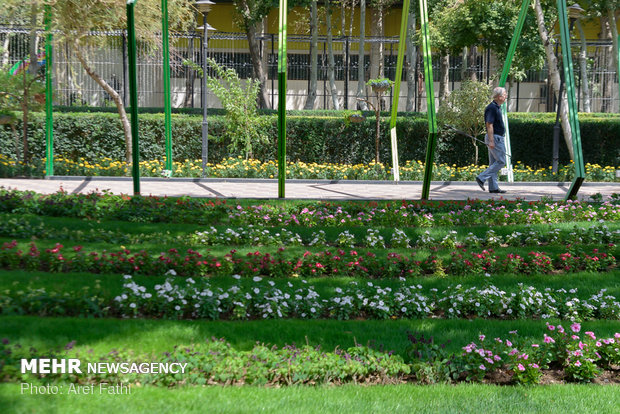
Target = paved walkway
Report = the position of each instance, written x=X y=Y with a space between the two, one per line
x=305 y=189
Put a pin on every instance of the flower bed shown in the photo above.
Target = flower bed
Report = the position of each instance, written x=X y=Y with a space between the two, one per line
x=330 y=262
x=563 y=354
x=178 y=298
x=390 y=214
x=241 y=168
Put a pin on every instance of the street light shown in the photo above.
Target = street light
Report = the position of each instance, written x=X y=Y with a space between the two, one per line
x=204 y=6
x=574 y=12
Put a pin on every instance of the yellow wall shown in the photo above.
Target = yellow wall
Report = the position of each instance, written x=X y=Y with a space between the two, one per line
x=221 y=17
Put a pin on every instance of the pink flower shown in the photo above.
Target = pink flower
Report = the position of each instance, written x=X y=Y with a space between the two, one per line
x=508 y=343
x=598 y=343
x=591 y=335
x=575 y=327
x=482 y=367
x=548 y=340
x=575 y=337
x=560 y=329
x=535 y=345
x=577 y=363
x=481 y=337
x=514 y=351
x=521 y=367
x=551 y=327
x=534 y=366
x=578 y=353
x=617 y=335
x=582 y=345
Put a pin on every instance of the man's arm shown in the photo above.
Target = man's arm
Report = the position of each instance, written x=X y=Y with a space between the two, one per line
x=490 y=135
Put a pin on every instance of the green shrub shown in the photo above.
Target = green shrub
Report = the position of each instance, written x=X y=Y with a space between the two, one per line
x=321 y=139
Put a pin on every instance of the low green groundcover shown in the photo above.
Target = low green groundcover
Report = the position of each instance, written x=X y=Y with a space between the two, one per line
x=560 y=354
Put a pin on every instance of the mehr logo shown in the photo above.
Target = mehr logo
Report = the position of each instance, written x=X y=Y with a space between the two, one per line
x=51 y=366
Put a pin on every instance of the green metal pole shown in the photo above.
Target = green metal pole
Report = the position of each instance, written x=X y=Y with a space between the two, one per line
x=282 y=99
x=502 y=82
x=133 y=96
x=430 y=101
x=167 y=106
x=569 y=80
x=399 y=73
x=49 y=95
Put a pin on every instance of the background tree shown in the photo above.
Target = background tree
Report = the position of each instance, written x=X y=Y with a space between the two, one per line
x=74 y=20
x=314 y=32
x=21 y=92
x=249 y=16
x=543 y=20
x=464 y=111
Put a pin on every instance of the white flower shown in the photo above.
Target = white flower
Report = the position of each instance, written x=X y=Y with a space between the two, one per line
x=257 y=278
x=236 y=277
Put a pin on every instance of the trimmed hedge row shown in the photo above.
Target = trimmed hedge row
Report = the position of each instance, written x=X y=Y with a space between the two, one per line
x=313 y=139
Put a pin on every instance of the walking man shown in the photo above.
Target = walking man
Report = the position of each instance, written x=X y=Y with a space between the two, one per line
x=495 y=141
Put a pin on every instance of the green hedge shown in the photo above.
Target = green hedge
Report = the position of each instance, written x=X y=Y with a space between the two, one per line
x=321 y=139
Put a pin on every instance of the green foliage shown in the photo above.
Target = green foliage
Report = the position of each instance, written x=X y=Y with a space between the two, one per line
x=245 y=128
x=464 y=110
x=321 y=139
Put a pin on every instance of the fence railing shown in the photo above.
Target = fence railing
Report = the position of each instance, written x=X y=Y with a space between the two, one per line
x=108 y=56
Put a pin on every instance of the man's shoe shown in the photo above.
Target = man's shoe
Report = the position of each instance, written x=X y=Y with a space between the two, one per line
x=480 y=183
x=498 y=191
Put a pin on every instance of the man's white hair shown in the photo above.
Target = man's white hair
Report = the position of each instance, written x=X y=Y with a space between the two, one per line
x=498 y=91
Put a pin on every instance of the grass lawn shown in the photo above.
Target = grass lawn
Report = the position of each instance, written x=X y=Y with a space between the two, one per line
x=345 y=399
x=157 y=336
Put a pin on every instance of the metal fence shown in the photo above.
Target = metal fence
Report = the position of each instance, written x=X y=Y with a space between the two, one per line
x=107 y=55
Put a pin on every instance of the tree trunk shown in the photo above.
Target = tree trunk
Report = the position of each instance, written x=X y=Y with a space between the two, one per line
x=555 y=76
x=5 y=49
x=118 y=100
x=24 y=105
x=583 y=66
x=314 y=31
x=32 y=44
x=361 y=77
x=473 y=63
x=351 y=17
x=608 y=65
x=411 y=60
x=257 y=65
x=613 y=24
x=330 y=57
x=444 y=72
x=190 y=79
x=377 y=51
x=376 y=48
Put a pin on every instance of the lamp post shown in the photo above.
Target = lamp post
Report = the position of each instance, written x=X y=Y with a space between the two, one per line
x=574 y=12
x=204 y=6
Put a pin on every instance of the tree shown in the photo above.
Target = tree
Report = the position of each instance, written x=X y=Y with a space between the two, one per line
x=314 y=32
x=330 y=56
x=21 y=92
x=74 y=20
x=244 y=127
x=249 y=15
x=464 y=111
x=554 y=73
x=412 y=59
x=361 y=76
